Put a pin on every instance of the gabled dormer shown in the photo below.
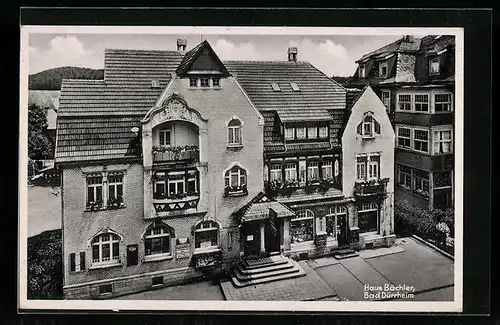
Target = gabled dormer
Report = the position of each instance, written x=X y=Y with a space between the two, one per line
x=202 y=68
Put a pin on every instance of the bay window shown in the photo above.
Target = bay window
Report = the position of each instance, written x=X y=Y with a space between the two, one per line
x=404 y=137
x=442 y=102
x=421 y=140
x=165 y=137
x=422 y=102
x=301 y=226
x=421 y=183
x=404 y=102
x=175 y=184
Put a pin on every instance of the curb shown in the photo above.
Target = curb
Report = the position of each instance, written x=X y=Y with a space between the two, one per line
x=439 y=250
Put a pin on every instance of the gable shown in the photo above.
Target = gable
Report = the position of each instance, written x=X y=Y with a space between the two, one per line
x=201 y=58
x=205 y=61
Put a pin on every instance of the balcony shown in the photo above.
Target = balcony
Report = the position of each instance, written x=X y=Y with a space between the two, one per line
x=371 y=187
x=168 y=154
x=176 y=203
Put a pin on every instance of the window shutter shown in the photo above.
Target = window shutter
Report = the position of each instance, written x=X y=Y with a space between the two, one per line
x=165 y=245
x=132 y=254
x=72 y=262
x=82 y=261
x=377 y=127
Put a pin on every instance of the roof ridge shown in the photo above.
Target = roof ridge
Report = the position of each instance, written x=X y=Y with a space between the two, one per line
x=141 y=50
x=265 y=61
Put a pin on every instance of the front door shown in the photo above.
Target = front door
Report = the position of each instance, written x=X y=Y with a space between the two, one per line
x=342 y=226
x=251 y=239
x=272 y=236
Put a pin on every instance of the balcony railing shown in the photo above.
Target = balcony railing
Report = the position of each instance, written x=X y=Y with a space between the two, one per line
x=371 y=187
x=176 y=203
x=173 y=154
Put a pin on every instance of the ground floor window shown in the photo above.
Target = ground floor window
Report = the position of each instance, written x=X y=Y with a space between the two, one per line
x=106 y=249
x=301 y=226
x=368 y=214
x=157 y=240
x=421 y=183
x=333 y=220
x=206 y=234
x=443 y=198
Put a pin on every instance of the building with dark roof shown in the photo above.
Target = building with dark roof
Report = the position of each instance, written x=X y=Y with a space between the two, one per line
x=178 y=164
x=415 y=78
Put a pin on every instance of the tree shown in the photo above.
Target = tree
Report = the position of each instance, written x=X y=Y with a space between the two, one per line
x=39 y=144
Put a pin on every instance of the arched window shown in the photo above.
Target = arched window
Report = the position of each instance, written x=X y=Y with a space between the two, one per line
x=234 y=132
x=106 y=249
x=369 y=126
x=157 y=240
x=206 y=235
x=235 y=181
x=301 y=226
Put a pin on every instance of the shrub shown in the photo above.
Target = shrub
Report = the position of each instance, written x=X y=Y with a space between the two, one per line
x=420 y=221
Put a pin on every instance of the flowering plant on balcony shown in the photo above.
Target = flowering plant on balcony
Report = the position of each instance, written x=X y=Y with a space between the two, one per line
x=290 y=183
x=94 y=205
x=114 y=203
x=232 y=190
x=405 y=187
x=325 y=184
x=176 y=150
x=176 y=196
x=422 y=193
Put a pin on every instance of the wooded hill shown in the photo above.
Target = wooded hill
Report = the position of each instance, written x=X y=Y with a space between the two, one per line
x=51 y=79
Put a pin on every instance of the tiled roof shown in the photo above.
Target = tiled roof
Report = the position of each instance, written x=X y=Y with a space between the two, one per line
x=405 y=69
x=258 y=209
x=303 y=147
x=397 y=46
x=96 y=138
x=317 y=91
x=272 y=137
x=127 y=85
x=304 y=115
x=302 y=195
x=191 y=56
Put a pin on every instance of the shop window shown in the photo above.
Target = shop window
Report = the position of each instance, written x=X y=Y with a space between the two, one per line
x=333 y=222
x=206 y=235
x=368 y=217
x=301 y=226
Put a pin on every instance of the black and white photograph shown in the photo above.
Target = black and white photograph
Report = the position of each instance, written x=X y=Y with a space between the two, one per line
x=202 y=168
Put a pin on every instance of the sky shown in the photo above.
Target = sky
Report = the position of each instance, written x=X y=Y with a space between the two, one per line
x=334 y=55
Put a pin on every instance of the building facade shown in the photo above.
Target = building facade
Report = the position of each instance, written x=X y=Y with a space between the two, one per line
x=415 y=79
x=177 y=164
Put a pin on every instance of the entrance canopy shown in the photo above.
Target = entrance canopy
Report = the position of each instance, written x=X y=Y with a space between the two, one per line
x=261 y=208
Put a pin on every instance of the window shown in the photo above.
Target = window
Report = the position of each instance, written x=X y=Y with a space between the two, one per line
x=294 y=86
x=361 y=168
x=323 y=131
x=434 y=65
x=404 y=177
x=229 y=240
x=312 y=171
x=404 y=102
x=374 y=167
x=421 y=183
x=383 y=69
x=361 y=70
x=236 y=176
x=106 y=249
x=275 y=86
x=165 y=137
x=157 y=240
x=333 y=220
x=160 y=185
x=157 y=280
x=155 y=83
x=367 y=217
x=206 y=234
x=192 y=183
x=115 y=189
x=442 y=189
x=205 y=82
x=289 y=133
x=105 y=288
x=176 y=184
x=442 y=141
x=77 y=262
x=193 y=82
x=290 y=172
x=442 y=102
x=301 y=226
x=327 y=170
x=94 y=191
x=300 y=132
x=386 y=99
x=275 y=173
x=404 y=137
x=421 y=102
x=442 y=179
x=312 y=132
x=234 y=132
x=421 y=140
x=215 y=82
x=368 y=127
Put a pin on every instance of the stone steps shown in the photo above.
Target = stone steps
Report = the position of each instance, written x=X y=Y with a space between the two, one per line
x=345 y=253
x=262 y=262
x=240 y=280
x=265 y=269
x=268 y=272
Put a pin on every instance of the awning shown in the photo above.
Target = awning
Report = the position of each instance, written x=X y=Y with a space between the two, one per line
x=261 y=208
x=309 y=115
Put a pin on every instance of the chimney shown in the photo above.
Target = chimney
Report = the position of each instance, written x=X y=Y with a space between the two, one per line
x=292 y=54
x=408 y=38
x=181 y=44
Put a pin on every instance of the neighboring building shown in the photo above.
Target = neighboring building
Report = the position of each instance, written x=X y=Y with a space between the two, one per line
x=415 y=78
x=177 y=162
x=49 y=100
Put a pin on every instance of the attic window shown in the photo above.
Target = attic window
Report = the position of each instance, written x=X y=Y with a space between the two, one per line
x=434 y=65
x=275 y=86
x=155 y=83
x=361 y=70
x=295 y=87
x=383 y=70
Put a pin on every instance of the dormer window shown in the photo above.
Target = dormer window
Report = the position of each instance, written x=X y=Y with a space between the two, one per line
x=205 y=82
x=155 y=83
x=193 y=82
x=294 y=86
x=368 y=127
x=275 y=86
x=383 y=69
x=362 y=70
x=434 y=65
